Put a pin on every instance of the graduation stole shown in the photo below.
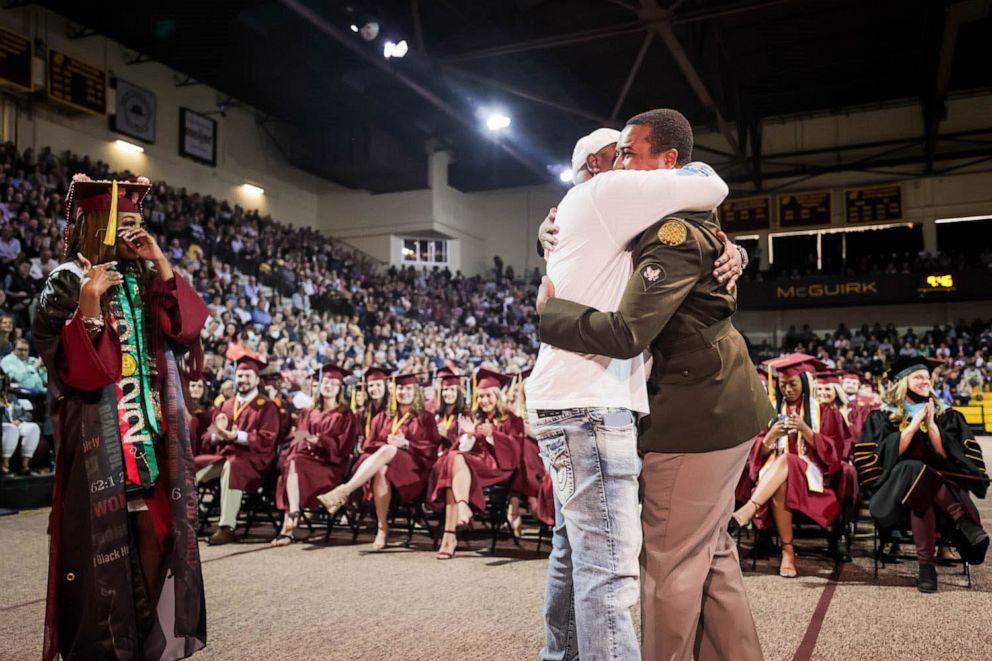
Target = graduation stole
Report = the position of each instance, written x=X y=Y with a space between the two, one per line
x=814 y=476
x=139 y=412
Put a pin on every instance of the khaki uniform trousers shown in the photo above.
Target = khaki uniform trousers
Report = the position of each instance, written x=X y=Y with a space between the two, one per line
x=693 y=601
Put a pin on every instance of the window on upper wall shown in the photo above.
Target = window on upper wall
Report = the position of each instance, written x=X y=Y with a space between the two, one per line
x=427 y=252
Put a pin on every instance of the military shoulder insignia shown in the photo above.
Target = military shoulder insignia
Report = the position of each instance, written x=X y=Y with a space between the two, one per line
x=672 y=233
x=652 y=274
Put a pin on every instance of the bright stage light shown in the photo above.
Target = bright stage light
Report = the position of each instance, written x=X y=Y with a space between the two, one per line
x=401 y=48
x=354 y=28
x=566 y=176
x=252 y=189
x=129 y=147
x=388 y=50
x=497 y=121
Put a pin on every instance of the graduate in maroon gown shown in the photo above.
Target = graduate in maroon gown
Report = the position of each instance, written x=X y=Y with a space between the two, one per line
x=845 y=481
x=113 y=326
x=319 y=453
x=532 y=481
x=792 y=460
x=858 y=405
x=201 y=411
x=369 y=400
x=239 y=446
x=397 y=455
x=450 y=406
x=487 y=452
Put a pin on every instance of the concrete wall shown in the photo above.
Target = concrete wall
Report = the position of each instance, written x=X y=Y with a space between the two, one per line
x=244 y=152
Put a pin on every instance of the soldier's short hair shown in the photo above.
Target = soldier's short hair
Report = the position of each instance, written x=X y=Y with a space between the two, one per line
x=669 y=130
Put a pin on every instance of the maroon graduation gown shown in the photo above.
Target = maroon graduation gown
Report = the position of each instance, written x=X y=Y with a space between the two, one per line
x=410 y=470
x=488 y=464
x=322 y=466
x=820 y=507
x=97 y=606
x=249 y=461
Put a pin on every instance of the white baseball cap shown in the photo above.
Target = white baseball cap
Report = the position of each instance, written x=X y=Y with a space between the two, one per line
x=591 y=144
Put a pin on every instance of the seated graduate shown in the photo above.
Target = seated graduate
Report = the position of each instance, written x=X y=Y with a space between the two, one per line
x=398 y=454
x=451 y=405
x=369 y=399
x=199 y=403
x=845 y=481
x=239 y=446
x=858 y=405
x=487 y=453
x=790 y=461
x=919 y=458
x=319 y=452
x=532 y=481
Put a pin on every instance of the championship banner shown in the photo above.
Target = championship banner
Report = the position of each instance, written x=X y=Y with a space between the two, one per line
x=841 y=291
x=746 y=213
x=197 y=137
x=135 y=112
x=802 y=209
x=875 y=204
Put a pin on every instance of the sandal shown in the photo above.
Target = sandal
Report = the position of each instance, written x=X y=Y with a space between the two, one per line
x=293 y=518
x=282 y=540
x=334 y=499
x=381 y=537
x=462 y=527
x=783 y=571
x=447 y=555
x=733 y=526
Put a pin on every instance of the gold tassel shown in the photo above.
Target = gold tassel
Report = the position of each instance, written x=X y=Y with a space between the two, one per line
x=392 y=399
x=354 y=389
x=475 y=392
x=110 y=238
x=771 y=385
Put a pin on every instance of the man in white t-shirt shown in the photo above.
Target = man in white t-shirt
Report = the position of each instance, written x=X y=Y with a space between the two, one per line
x=583 y=410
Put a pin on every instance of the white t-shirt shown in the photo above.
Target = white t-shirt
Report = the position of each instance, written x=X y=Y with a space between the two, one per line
x=597 y=220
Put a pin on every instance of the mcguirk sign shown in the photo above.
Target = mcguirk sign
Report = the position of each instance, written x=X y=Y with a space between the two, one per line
x=825 y=291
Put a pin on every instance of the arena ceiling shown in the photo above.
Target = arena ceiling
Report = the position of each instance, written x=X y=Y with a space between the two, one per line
x=559 y=68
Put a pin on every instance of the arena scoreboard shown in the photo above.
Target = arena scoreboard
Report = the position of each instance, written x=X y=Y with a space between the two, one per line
x=801 y=209
x=746 y=213
x=76 y=84
x=15 y=60
x=875 y=204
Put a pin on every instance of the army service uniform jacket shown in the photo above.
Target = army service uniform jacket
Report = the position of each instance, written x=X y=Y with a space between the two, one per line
x=705 y=394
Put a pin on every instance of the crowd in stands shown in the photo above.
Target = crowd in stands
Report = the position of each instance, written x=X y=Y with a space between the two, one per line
x=298 y=300
x=900 y=262
x=964 y=347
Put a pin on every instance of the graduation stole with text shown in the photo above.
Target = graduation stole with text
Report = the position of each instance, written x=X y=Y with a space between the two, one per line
x=814 y=476
x=139 y=412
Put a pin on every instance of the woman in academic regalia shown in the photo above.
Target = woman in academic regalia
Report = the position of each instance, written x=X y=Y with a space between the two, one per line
x=124 y=578
x=487 y=452
x=319 y=453
x=201 y=412
x=532 y=481
x=791 y=461
x=844 y=481
x=917 y=458
x=369 y=400
x=450 y=406
x=397 y=455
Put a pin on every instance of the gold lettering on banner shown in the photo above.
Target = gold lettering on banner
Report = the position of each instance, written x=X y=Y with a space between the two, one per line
x=828 y=290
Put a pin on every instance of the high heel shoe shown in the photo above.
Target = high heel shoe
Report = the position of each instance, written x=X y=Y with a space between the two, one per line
x=462 y=527
x=733 y=526
x=783 y=571
x=445 y=555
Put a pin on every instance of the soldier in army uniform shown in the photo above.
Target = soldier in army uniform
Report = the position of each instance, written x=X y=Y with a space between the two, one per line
x=706 y=404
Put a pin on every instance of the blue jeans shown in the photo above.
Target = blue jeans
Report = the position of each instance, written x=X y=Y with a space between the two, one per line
x=593 y=570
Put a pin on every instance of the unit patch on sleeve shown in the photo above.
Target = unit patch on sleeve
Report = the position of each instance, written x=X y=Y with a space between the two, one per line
x=672 y=233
